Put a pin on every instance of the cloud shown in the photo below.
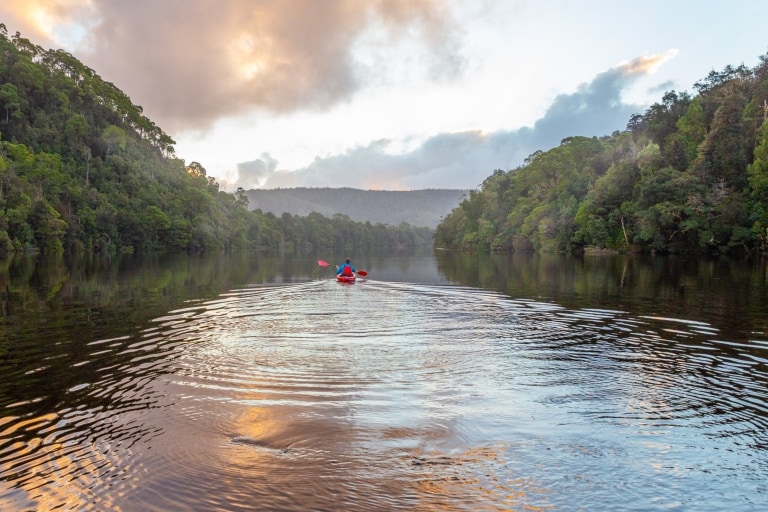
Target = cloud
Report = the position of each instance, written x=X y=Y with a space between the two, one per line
x=464 y=159
x=191 y=62
x=253 y=174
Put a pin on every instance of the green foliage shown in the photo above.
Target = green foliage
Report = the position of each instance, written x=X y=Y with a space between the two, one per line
x=688 y=175
x=48 y=227
x=9 y=99
x=530 y=208
x=691 y=131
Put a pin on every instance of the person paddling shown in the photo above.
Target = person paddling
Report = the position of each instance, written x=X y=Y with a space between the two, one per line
x=346 y=268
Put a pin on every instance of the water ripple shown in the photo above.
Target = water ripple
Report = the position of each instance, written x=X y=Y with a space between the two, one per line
x=388 y=396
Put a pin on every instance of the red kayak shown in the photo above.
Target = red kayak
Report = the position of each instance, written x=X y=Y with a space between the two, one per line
x=343 y=278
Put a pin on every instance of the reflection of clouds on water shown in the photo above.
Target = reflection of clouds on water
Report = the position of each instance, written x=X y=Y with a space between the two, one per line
x=448 y=480
x=86 y=420
x=399 y=395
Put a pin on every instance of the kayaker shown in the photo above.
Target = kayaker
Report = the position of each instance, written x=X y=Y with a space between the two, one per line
x=346 y=268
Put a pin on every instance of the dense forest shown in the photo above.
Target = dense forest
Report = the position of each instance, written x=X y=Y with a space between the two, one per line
x=82 y=168
x=416 y=207
x=689 y=175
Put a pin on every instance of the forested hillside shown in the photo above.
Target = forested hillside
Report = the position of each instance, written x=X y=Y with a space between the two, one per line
x=688 y=175
x=415 y=207
x=82 y=168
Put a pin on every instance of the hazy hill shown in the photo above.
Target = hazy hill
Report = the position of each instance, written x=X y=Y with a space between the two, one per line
x=416 y=207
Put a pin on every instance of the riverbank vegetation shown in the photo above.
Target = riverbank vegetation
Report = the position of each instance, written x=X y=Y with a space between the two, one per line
x=689 y=175
x=82 y=168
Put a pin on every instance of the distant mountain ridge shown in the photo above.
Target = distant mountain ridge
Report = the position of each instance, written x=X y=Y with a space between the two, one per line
x=423 y=208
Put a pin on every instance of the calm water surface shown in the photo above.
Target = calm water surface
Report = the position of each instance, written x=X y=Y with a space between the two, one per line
x=440 y=383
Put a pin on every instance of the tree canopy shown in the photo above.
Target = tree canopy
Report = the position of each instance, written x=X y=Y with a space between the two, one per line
x=689 y=175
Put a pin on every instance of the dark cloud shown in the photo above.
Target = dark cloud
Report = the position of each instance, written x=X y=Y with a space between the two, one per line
x=191 y=62
x=465 y=159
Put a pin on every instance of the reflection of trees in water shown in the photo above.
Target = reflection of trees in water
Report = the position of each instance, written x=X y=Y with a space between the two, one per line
x=728 y=292
x=54 y=308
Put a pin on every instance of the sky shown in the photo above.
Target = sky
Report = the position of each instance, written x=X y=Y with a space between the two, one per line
x=390 y=94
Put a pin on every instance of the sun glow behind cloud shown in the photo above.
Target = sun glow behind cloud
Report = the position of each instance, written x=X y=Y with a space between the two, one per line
x=250 y=56
x=58 y=21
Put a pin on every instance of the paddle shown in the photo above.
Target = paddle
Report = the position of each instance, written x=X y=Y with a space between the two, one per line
x=326 y=264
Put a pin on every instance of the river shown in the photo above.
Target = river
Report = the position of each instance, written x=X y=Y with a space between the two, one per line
x=440 y=382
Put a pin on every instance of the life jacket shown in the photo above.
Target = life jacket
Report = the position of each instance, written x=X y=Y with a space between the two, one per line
x=347 y=270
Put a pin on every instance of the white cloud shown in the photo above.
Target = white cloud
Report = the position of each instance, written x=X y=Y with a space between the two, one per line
x=465 y=159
